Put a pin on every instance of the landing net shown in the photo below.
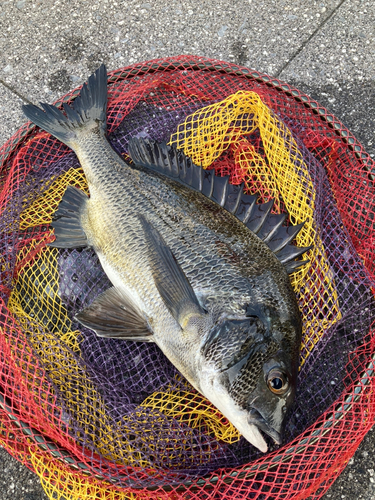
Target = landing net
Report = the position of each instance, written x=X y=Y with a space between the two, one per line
x=108 y=419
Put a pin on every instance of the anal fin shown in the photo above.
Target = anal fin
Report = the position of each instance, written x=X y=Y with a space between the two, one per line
x=67 y=220
x=113 y=315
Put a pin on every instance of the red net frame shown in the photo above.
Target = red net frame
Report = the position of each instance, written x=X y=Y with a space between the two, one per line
x=307 y=466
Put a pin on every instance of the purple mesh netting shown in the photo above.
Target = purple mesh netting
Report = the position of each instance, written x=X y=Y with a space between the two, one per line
x=125 y=373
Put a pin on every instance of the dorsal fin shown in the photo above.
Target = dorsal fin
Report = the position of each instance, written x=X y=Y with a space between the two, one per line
x=259 y=216
x=173 y=163
x=271 y=226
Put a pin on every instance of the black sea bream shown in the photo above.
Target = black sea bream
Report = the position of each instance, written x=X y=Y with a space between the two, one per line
x=197 y=266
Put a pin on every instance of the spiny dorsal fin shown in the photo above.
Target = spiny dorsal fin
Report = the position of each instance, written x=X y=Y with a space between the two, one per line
x=270 y=227
x=168 y=161
x=173 y=163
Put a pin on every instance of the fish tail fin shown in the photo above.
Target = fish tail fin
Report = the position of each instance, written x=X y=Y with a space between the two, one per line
x=88 y=111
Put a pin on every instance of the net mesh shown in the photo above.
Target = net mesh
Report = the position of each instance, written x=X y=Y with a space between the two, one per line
x=107 y=419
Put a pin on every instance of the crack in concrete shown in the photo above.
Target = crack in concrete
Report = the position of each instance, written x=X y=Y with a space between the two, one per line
x=277 y=74
x=306 y=42
x=14 y=91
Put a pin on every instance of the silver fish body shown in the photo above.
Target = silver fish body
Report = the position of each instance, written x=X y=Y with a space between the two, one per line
x=187 y=274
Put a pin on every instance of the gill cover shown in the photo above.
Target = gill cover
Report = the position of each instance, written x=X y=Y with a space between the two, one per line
x=253 y=379
x=256 y=374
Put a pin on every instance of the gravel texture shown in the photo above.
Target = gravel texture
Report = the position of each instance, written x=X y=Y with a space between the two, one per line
x=337 y=68
x=325 y=48
x=11 y=114
x=58 y=45
x=17 y=482
x=357 y=481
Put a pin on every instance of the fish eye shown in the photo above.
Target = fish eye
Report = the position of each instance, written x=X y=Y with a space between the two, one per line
x=277 y=382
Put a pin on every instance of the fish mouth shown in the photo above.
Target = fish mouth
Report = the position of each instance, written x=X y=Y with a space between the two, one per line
x=258 y=420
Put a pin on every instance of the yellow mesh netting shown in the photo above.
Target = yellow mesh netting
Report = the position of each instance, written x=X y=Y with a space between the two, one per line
x=37 y=306
x=255 y=173
x=194 y=410
x=61 y=484
x=210 y=131
x=42 y=210
x=204 y=136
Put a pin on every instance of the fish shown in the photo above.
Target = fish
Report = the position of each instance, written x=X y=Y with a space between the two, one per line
x=197 y=265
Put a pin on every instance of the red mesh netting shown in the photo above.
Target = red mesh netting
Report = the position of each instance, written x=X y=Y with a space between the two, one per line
x=98 y=418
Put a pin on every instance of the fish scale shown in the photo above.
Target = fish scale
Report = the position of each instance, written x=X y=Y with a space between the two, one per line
x=188 y=271
x=194 y=248
x=142 y=192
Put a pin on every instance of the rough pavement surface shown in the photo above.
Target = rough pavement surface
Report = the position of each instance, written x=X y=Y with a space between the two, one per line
x=325 y=48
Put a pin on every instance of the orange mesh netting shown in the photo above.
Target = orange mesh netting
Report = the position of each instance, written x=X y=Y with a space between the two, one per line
x=106 y=419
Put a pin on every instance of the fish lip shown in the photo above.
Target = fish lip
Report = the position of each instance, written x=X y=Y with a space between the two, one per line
x=257 y=419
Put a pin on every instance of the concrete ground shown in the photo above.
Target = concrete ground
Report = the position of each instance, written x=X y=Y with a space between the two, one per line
x=326 y=48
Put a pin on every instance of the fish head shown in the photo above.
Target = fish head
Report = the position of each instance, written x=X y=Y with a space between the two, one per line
x=268 y=404
x=247 y=364
x=250 y=375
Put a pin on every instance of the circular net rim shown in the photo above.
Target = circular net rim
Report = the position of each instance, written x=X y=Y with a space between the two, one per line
x=171 y=64
x=251 y=470
x=298 y=446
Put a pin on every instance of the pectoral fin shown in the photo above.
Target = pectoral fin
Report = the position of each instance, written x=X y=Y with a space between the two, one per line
x=170 y=280
x=113 y=315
